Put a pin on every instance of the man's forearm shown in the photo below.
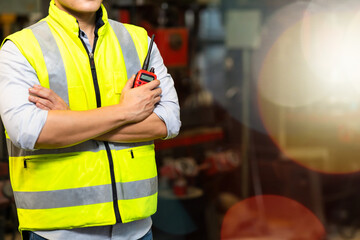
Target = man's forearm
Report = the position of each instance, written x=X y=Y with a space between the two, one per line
x=65 y=128
x=149 y=129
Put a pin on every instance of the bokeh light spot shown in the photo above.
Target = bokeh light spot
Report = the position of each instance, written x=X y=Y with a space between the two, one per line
x=309 y=87
x=271 y=217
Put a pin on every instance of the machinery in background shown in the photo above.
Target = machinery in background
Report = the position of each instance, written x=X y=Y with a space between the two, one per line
x=176 y=174
x=173 y=45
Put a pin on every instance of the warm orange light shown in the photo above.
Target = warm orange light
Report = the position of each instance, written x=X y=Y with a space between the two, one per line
x=271 y=217
x=309 y=89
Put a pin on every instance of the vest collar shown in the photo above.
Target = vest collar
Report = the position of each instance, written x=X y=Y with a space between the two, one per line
x=70 y=24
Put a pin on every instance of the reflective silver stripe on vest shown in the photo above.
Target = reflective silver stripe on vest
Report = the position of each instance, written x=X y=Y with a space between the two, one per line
x=137 y=189
x=83 y=196
x=63 y=198
x=53 y=60
x=131 y=58
x=88 y=146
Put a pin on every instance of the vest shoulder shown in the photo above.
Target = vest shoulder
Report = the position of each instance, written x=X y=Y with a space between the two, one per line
x=137 y=32
x=24 y=34
x=18 y=36
x=28 y=45
x=130 y=27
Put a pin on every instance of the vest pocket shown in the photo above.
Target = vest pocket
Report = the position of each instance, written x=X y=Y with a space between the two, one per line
x=136 y=182
x=59 y=171
x=135 y=164
x=32 y=161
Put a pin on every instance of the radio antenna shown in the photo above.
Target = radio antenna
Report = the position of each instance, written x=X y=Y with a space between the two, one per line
x=147 y=59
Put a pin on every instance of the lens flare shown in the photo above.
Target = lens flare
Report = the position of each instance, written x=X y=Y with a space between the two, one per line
x=309 y=85
x=271 y=217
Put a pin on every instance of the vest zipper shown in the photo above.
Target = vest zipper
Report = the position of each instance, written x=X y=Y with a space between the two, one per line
x=107 y=146
x=113 y=183
x=93 y=72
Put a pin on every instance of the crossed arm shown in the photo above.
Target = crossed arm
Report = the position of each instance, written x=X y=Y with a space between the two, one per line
x=30 y=127
x=131 y=120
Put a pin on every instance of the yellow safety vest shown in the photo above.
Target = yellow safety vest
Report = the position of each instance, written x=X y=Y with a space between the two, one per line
x=93 y=183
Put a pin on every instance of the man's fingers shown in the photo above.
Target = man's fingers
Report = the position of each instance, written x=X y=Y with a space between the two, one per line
x=153 y=84
x=158 y=91
x=41 y=106
x=47 y=98
x=157 y=99
x=42 y=92
x=130 y=82
x=43 y=102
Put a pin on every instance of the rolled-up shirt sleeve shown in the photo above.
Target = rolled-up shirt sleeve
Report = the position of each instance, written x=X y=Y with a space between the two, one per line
x=167 y=109
x=23 y=121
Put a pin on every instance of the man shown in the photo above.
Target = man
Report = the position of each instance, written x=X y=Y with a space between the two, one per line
x=93 y=173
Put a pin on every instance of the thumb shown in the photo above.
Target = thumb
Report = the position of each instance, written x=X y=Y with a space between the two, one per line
x=129 y=84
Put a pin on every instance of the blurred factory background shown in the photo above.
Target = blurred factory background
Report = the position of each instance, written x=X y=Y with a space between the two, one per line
x=270 y=106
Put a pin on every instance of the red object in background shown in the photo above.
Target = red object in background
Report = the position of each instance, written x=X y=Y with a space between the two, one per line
x=190 y=138
x=148 y=27
x=173 y=46
x=271 y=217
x=221 y=162
x=180 y=187
x=124 y=16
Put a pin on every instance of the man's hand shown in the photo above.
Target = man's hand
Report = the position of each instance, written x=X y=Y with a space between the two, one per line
x=134 y=111
x=140 y=101
x=46 y=99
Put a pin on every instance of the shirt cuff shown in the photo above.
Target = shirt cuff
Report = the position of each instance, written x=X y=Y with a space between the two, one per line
x=171 y=120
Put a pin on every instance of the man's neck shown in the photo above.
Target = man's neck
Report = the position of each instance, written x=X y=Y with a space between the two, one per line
x=86 y=22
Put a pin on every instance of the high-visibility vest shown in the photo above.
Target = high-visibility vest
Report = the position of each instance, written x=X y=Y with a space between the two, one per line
x=93 y=183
